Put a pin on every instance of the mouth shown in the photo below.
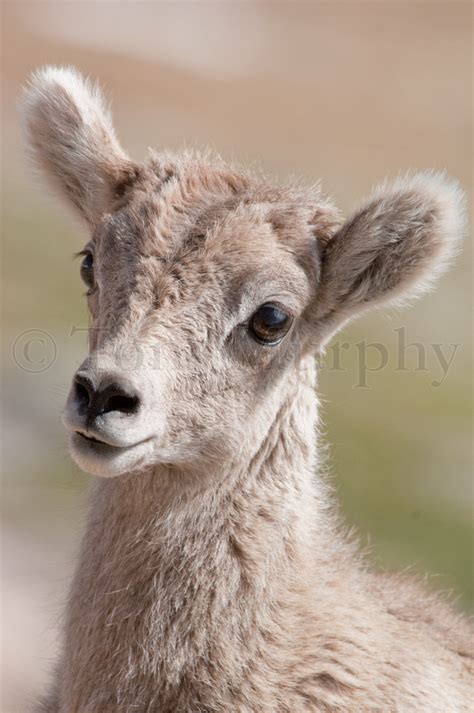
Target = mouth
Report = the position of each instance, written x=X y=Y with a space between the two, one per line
x=95 y=447
x=93 y=444
x=91 y=438
x=108 y=459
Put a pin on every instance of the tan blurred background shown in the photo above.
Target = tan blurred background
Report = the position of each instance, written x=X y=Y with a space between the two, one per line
x=349 y=92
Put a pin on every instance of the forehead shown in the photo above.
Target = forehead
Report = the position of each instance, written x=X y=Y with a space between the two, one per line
x=207 y=225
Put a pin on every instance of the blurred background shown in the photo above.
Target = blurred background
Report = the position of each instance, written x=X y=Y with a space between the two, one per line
x=349 y=92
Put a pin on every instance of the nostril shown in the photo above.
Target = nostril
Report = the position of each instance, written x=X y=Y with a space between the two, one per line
x=83 y=389
x=115 y=396
x=122 y=402
x=82 y=394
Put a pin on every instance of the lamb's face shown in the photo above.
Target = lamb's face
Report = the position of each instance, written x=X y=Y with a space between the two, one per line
x=198 y=322
x=207 y=288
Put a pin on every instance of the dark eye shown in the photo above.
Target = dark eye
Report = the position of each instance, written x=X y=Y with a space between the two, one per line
x=269 y=324
x=87 y=270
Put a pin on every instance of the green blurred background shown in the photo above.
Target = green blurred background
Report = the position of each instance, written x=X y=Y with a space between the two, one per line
x=349 y=92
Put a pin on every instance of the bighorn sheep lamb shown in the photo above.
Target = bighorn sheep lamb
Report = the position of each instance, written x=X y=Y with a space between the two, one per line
x=213 y=574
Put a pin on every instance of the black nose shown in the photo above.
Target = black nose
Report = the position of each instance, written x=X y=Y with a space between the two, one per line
x=110 y=395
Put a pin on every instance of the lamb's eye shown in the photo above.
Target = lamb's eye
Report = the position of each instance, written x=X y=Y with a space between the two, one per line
x=269 y=324
x=87 y=270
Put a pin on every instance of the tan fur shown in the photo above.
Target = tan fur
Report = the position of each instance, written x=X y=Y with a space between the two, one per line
x=213 y=574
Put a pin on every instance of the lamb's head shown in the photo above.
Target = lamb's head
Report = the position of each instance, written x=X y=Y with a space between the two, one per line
x=209 y=289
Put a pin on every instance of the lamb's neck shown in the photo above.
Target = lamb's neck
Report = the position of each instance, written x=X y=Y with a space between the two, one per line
x=224 y=556
x=251 y=510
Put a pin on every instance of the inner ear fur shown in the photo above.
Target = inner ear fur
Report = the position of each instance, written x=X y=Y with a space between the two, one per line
x=392 y=248
x=72 y=141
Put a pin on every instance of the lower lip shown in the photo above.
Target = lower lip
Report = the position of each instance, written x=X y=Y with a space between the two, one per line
x=100 y=447
x=93 y=440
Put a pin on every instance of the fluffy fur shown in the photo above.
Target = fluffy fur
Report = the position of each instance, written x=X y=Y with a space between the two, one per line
x=70 y=134
x=213 y=574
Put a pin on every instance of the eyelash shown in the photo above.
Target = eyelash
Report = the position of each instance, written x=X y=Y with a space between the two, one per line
x=87 y=270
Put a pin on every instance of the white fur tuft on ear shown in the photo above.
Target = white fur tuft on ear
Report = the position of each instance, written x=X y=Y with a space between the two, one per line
x=46 y=82
x=392 y=249
x=72 y=140
x=433 y=195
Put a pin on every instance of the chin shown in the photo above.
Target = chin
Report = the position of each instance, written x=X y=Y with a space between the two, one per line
x=108 y=461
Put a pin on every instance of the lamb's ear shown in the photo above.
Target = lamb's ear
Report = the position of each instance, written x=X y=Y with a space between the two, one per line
x=70 y=135
x=391 y=249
